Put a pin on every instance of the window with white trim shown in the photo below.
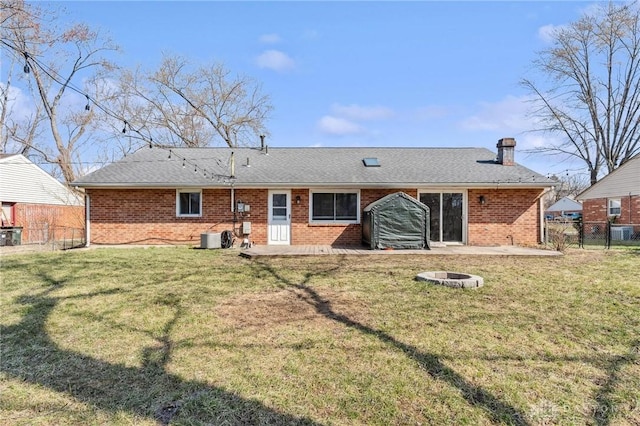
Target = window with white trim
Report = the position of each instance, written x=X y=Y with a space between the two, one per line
x=188 y=203
x=614 y=206
x=335 y=206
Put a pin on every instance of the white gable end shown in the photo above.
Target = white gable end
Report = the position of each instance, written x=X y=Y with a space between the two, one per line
x=21 y=181
x=565 y=204
x=622 y=182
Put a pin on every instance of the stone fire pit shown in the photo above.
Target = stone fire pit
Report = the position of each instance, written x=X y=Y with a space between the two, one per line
x=451 y=279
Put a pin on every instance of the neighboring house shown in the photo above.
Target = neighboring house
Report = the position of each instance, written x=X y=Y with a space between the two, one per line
x=35 y=201
x=564 y=207
x=312 y=196
x=616 y=197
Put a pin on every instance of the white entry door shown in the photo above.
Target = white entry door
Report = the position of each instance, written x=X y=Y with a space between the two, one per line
x=279 y=217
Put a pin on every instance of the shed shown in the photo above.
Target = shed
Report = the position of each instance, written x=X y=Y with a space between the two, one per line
x=396 y=221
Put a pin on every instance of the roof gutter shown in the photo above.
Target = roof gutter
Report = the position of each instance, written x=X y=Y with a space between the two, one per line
x=483 y=185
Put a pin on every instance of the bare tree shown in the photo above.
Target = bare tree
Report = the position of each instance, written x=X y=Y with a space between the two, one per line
x=54 y=60
x=591 y=95
x=17 y=129
x=122 y=111
x=568 y=185
x=185 y=105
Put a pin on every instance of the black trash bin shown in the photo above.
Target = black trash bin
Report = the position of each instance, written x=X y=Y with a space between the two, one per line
x=10 y=235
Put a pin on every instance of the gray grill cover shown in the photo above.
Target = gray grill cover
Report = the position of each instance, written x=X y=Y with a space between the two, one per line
x=396 y=221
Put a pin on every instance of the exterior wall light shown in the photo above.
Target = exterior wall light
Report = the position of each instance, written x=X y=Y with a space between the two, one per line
x=482 y=200
x=297 y=199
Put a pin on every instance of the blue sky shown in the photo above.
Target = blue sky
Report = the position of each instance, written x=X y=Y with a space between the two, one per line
x=360 y=73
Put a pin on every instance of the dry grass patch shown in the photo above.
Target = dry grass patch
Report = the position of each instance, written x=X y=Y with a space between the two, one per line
x=268 y=311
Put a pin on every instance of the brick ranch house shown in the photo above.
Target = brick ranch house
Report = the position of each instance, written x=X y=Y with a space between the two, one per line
x=33 y=200
x=616 y=197
x=310 y=196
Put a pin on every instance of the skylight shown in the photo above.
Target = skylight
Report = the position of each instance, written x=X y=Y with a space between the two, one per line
x=371 y=162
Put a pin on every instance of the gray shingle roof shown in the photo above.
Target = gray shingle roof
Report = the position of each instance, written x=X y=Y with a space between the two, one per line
x=311 y=167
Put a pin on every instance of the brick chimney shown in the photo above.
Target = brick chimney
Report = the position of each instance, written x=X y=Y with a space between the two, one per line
x=506 y=148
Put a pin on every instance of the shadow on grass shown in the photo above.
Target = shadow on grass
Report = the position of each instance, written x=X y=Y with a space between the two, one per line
x=476 y=396
x=149 y=391
x=604 y=411
x=606 y=406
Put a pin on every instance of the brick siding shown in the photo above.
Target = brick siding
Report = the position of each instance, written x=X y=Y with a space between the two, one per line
x=508 y=216
x=595 y=210
x=148 y=216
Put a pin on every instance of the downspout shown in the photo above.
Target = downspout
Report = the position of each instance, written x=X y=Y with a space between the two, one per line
x=232 y=176
x=541 y=234
x=233 y=199
x=87 y=220
x=541 y=238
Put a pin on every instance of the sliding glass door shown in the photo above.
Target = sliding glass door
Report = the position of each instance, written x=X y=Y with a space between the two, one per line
x=447 y=215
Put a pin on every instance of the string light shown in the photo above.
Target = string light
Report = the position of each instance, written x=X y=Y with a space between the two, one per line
x=26 y=68
x=56 y=78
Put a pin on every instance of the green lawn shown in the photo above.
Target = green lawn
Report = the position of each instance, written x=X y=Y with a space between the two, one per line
x=184 y=336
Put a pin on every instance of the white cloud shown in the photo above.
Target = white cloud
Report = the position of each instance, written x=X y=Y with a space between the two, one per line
x=106 y=86
x=510 y=117
x=20 y=105
x=533 y=141
x=270 y=38
x=362 y=113
x=509 y=114
x=345 y=119
x=275 y=60
x=547 y=33
x=338 y=126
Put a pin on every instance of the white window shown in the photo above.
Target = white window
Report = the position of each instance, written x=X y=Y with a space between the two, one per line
x=335 y=206
x=188 y=203
x=614 y=207
x=7 y=214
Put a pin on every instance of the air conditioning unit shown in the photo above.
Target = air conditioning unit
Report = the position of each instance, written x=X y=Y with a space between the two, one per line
x=621 y=233
x=210 y=241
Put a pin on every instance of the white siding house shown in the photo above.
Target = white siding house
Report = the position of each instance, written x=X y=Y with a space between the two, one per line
x=616 y=197
x=35 y=201
x=21 y=181
x=622 y=182
x=563 y=206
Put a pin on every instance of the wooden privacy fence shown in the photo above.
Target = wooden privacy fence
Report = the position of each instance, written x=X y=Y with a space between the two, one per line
x=58 y=225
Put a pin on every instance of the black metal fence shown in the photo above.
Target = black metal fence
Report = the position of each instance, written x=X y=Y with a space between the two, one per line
x=560 y=234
